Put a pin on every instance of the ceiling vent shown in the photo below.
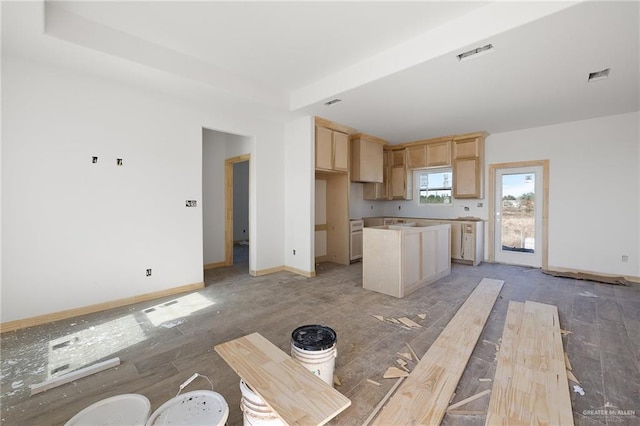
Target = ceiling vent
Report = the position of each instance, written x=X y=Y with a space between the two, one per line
x=599 y=75
x=474 y=53
x=332 y=101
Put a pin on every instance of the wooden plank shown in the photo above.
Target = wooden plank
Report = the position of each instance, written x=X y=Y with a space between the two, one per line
x=74 y=375
x=424 y=396
x=530 y=384
x=567 y=363
x=295 y=394
x=416 y=357
x=468 y=400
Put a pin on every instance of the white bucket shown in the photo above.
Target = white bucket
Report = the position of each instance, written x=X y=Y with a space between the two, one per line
x=255 y=412
x=201 y=407
x=314 y=346
x=130 y=409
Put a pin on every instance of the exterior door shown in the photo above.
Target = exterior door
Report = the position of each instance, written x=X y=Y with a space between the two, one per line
x=518 y=217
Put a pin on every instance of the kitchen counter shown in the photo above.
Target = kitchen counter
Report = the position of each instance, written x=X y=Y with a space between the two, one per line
x=398 y=260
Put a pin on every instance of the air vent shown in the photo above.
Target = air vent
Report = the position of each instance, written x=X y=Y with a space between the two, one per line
x=474 y=53
x=332 y=101
x=599 y=75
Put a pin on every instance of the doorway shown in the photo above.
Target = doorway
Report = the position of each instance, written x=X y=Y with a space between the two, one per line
x=519 y=213
x=236 y=178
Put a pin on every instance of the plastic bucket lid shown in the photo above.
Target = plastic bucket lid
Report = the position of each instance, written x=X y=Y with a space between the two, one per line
x=129 y=409
x=313 y=337
x=201 y=407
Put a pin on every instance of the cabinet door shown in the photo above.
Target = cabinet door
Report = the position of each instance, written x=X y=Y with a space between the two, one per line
x=468 y=247
x=416 y=157
x=340 y=151
x=438 y=154
x=397 y=157
x=466 y=148
x=466 y=178
x=356 y=245
x=397 y=184
x=456 y=240
x=324 y=148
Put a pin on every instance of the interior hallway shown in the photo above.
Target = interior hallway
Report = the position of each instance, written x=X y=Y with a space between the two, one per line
x=160 y=348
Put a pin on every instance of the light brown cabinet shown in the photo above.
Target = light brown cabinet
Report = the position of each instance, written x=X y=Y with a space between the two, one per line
x=417 y=156
x=438 y=153
x=429 y=153
x=367 y=158
x=468 y=159
x=400 y=181
x=332 y=150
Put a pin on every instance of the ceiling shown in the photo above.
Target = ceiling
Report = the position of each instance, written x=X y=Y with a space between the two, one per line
x=392 y=64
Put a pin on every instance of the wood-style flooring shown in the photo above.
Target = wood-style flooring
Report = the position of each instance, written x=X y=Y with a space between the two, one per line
x=163 y=342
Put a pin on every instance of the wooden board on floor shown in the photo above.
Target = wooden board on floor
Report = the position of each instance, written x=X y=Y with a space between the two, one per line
x=424 y=396
x=295 y=394
x=530 y=384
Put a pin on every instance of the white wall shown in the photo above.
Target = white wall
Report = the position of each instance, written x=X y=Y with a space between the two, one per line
x=594 y=189
x=299 y=189
x=76 y=233
x=241 y=201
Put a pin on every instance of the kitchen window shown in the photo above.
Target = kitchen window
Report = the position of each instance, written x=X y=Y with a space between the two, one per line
x=434 y=186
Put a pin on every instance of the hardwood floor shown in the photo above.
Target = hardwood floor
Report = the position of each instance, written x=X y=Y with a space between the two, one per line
x=162 y=343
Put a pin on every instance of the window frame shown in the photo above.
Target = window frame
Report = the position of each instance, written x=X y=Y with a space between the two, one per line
x=416 y=178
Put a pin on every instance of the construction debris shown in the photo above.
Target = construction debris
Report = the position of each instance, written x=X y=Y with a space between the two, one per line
x=394 y=373
x=485 y=379
x=336 y=381
x=566 y=362
x=413 y=352
x=74 y=375
x=578 y=389
x=607 y=279
x=405 y=355
x=571 y=377
x=373 y=382
x=406 y=321
x=422 y=316
x=379 y=317
x=468 y=400
x=382 y=402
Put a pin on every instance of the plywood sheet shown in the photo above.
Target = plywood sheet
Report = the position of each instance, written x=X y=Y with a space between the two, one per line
x=530 y=385
x=424 y=396
x=296 y=395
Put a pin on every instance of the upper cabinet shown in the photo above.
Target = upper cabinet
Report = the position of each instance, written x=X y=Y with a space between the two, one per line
x=332 y=146
x=429 y=153
x=367 y=163
x=400 y=178
x=468 y=166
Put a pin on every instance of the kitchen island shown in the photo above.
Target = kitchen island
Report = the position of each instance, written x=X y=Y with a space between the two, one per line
x=398 y=260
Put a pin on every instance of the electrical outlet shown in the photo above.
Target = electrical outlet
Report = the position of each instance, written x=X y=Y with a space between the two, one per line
x=94 y=160
x=466 y=209
x=294 y=252
x=479 y=204
x=192 y=203
x=625 y=258
x=118 y=161
x=148 y=272
x=399 y=207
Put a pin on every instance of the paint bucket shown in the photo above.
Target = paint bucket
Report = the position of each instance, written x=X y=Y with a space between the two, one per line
x=201 y=407
x=255 y=412
x=130 y=409
x=314 y=346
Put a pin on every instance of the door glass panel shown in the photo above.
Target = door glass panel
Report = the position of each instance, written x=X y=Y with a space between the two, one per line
x=518 y=213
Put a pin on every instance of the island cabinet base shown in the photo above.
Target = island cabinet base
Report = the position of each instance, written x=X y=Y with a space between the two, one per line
x=399 y=260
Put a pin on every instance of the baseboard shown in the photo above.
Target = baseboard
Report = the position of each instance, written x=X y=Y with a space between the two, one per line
x=214 y=265
x=275 y=269
x=630 y=278
x=70 y=313
x=308 y=274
